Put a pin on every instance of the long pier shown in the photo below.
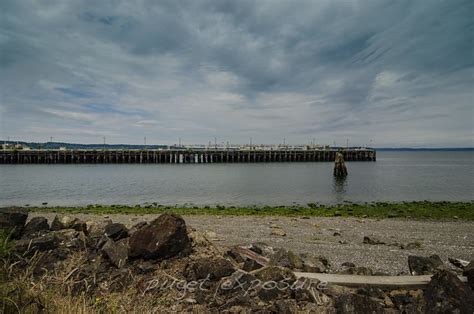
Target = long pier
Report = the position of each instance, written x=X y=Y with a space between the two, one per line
x=180 y=156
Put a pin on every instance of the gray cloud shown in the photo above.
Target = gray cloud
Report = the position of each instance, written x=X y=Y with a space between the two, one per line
x=397 y=72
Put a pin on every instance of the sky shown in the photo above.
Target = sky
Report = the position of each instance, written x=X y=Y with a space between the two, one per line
x=386 y=73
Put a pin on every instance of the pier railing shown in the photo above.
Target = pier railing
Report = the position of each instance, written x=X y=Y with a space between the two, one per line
x=179 y=156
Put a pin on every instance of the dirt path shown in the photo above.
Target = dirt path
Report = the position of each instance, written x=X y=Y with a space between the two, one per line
x=316 y=236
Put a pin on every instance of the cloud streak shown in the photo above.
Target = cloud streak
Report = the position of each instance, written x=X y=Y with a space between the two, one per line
x=400 y=73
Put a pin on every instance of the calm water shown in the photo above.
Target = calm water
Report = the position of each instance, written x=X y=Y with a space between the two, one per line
x=396 y=176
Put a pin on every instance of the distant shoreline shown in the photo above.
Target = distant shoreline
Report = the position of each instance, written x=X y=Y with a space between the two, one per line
x=408 y=210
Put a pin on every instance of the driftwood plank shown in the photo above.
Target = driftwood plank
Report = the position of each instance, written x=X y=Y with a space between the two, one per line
x=409 y=282
x=252 y=255
x=377 y=281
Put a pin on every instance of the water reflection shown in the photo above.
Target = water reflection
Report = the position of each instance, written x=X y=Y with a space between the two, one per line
x=339 y=186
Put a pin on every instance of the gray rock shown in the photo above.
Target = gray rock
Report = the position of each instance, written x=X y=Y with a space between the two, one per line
x=447 y=294
x=164 y=237
x=116 y=251
x=65 y=222
x=12 y=220
x=420 y=265
x=36 y=224
x=97 y=228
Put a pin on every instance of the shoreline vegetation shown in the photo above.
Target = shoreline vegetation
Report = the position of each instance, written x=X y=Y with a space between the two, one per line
x=409 y=210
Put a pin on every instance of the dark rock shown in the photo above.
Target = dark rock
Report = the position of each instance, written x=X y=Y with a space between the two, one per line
x=238 y=283
x=116 y=231
x=286 y=258
x=137 y=227
x=348 y=264
x=407 y=301
x=12 y=220
x=420 y=265
x=468 y=271
x=65 y=222
x=250 y=265
x=212 y=268
x=164 y=237
x=45 y=242
x=262 y=249
x=116 y=251
x=146 y=266
x=411 y=246
x=364 y=271
x=355 y=303
x=372 y=241
x=97 y=228
x=275 y=273
x=71 y=239
x=447 y=294
x=337 y=234
x=275 y=282
x=314 y=264
x=459 y=263
x=235 y=255
x=36 y=224
x=373 y=292
x=285 y=306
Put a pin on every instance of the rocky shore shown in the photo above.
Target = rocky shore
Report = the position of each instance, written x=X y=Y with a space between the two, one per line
x=90 y=263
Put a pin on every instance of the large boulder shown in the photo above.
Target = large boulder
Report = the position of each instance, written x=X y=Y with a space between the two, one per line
x=446 y=293
x=35 y=225
x=12 y=220
x=421 y=265
x=163 y=238
x=65 y=222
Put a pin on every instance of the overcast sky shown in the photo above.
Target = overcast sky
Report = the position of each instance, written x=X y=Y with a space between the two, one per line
x=400 y=73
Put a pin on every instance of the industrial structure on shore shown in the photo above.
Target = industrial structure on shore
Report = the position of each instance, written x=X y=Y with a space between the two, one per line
x=185 y=155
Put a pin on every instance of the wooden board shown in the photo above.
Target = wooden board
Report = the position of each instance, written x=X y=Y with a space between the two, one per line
x=377 y=281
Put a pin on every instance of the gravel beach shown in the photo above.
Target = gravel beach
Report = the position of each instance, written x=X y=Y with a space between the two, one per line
x=337 y=238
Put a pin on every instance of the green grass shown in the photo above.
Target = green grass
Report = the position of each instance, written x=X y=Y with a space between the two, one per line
x=413 y=210
x=6 y=244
